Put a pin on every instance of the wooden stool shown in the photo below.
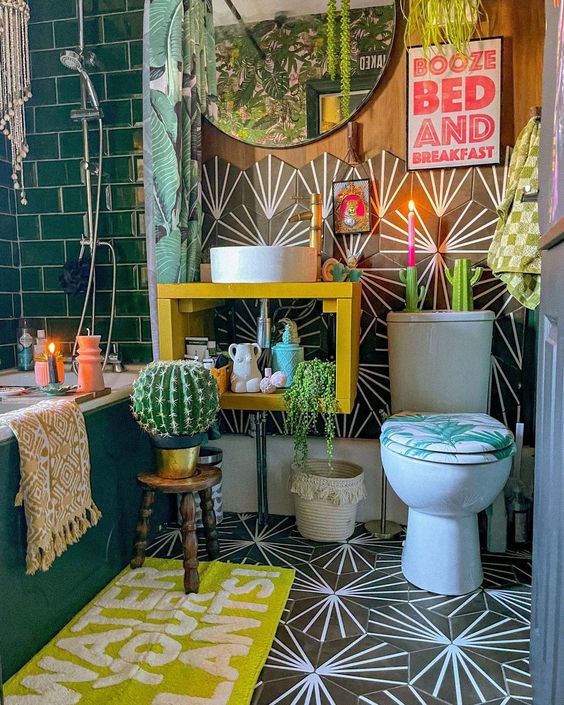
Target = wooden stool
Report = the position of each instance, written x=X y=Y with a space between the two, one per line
x=202 y=482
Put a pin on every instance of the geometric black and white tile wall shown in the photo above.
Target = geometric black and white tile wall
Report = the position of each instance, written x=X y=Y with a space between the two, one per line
x=456 y=217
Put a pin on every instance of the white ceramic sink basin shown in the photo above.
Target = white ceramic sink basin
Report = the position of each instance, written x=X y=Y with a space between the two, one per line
x=263 y=264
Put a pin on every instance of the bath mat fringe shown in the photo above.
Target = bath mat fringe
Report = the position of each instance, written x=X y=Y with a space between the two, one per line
x=55 y=478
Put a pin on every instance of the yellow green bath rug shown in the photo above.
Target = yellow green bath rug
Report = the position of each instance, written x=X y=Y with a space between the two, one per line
x=142 y=641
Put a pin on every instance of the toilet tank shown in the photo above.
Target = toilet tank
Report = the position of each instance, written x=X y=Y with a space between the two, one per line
x=440 y=360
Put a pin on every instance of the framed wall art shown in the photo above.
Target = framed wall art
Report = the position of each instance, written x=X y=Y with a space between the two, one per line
x=351 y=207
x=454 y=106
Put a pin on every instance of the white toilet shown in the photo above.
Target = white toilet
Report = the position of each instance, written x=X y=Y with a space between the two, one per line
x=442 y=454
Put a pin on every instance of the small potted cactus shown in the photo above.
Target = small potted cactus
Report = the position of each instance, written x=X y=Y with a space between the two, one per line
x=176 y=403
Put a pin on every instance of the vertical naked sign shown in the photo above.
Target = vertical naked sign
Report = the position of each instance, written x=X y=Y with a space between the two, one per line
x=454 y=106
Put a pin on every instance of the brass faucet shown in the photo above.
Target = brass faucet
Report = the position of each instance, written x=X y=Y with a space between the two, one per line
x=315 y=216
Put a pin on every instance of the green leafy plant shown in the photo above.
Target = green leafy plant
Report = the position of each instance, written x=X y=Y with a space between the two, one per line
x=438 y=22
x=312 y=392
x=173 y=398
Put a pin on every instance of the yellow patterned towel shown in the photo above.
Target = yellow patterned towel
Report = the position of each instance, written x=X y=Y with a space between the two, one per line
x=55 y=478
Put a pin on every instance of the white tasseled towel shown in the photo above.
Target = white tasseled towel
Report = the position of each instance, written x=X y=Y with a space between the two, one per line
x=55 y=478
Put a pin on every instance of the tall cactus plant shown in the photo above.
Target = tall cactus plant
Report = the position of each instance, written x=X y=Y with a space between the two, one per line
x=174 y=398
x=462 y=279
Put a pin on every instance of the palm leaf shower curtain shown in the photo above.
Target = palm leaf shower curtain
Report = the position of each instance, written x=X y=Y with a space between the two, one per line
x=179 y=86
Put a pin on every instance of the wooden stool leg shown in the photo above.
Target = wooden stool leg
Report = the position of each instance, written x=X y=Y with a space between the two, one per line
x=208 y=520
x=189 y=543
x=142 y=529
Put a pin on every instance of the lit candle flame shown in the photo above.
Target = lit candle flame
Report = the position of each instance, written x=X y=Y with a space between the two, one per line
x=411 y=205
x=51 y=348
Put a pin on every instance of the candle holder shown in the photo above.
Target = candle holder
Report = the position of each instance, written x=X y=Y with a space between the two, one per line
x=42 y=370
x=56 y=389
x=414 y=294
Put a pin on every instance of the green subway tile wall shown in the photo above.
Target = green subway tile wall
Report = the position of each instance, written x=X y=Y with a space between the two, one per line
x=9 y=262
x=51 y=225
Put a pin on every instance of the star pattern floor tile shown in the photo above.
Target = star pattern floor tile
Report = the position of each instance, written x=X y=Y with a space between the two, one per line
x=355 y=632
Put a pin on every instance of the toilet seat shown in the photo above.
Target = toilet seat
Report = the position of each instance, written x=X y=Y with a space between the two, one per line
x=460 y=439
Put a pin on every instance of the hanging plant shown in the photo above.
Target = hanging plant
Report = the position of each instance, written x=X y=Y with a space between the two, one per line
x=332 y=38
x=312 y=392
x=439 y=22
x=343 y=56
x=345 y=59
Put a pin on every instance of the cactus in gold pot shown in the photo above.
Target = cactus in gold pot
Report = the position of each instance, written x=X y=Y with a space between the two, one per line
x=175 y=402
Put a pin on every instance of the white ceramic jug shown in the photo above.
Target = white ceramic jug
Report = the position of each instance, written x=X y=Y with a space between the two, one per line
x=246 y=376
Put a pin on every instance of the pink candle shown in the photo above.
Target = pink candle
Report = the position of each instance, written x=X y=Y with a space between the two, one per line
x=411 y=235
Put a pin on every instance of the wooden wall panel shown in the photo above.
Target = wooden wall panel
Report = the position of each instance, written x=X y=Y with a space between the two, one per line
x=382 y=121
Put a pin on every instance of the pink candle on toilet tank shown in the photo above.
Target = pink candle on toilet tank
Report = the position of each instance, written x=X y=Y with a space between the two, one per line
x=90 y=375
x=411 y=235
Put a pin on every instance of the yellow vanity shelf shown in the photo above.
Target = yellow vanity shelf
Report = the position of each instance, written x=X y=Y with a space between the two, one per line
x=187 y=309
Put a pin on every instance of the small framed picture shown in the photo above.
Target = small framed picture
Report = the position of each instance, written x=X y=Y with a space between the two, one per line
x=351 y=207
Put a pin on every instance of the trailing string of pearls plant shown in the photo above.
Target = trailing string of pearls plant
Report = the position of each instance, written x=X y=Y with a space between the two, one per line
x=342 y=59
x=15 y=83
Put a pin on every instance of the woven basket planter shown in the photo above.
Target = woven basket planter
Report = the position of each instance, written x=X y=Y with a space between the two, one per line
x=326 y=500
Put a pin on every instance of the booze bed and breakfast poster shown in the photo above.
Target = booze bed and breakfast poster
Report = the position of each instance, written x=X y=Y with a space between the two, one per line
x=454 y=106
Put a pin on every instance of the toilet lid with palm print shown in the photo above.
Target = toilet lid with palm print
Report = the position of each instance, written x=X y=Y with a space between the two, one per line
x=461 y=439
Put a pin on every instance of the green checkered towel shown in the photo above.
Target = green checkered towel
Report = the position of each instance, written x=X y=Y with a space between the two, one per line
x=514 y=256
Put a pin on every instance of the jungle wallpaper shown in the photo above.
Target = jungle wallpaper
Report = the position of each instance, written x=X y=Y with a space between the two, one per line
x=276 y=59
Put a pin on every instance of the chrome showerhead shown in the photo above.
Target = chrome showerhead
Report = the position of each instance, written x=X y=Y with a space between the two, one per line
x=72 y=60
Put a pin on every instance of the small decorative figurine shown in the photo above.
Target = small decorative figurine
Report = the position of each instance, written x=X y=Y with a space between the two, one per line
x=279 y=379
x=266 y=384
x=462 y=279
x=335 y=271
x=246 y=376
x=271 y=382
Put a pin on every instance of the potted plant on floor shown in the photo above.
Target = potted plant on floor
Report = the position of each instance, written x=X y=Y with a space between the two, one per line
x=176 y=403
x=326 y=492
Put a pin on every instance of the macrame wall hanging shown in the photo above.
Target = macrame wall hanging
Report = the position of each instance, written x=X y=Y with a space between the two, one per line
x=15 y=83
